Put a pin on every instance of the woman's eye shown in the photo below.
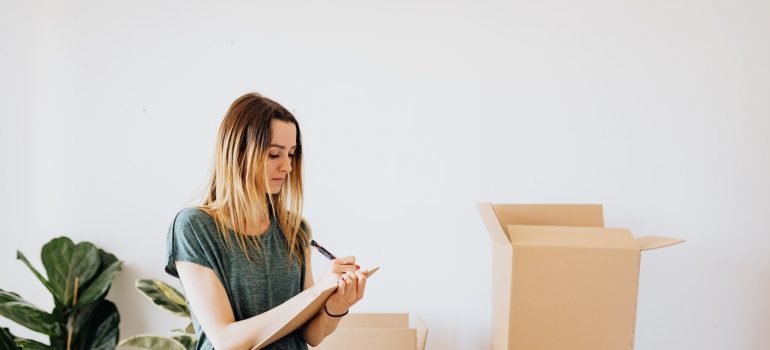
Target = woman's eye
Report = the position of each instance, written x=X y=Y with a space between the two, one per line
x=274 y=155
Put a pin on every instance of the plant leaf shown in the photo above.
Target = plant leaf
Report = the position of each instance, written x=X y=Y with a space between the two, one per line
x=29 y=344
x=154 y=342
x=6 y=340
x=97 y=327
x=100 y=285
x=40 y=277
x=16 y=309
x=189 y=329
x=106 y=258
x=63 y=261
x=164 y=295
x=187 y=340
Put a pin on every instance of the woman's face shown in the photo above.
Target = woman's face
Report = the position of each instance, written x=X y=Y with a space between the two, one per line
x=281 y=153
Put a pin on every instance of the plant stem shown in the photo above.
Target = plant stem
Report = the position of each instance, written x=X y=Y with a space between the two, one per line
x=74 y=315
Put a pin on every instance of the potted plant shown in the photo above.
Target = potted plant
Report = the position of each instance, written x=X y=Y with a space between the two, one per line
x=78 y=278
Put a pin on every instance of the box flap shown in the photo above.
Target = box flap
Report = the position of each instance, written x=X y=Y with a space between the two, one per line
x=377 y=331
x=370 y=339
x=375 y=320
x=422 y=332
x=654 y=242
x=561 y=236
x=492 y=223
x=550 y=214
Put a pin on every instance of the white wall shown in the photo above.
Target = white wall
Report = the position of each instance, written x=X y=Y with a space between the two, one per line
x=411 y=112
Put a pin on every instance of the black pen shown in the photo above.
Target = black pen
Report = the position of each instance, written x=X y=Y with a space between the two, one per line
x=322 y=250
x=325 y=252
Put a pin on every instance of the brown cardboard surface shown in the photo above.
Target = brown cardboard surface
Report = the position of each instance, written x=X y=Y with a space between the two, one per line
x=560 y=279
x=549 y=214
x=370 y=320
x=376 y=332
x=573 y=290
x=370 y=339
x=309 y=303
x=496 y=218
x=565 y=236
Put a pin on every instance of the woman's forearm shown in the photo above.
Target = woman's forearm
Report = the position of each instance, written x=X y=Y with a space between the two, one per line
x=319 y=327
x=245 y=334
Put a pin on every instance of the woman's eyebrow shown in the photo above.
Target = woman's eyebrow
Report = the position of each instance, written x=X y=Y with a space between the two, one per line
x=281 y=146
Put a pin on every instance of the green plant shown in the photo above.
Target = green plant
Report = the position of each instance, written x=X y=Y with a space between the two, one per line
x=79 y=277
x=169 y=299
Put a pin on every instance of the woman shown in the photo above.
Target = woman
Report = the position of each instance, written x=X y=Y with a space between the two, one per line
x=244 y=251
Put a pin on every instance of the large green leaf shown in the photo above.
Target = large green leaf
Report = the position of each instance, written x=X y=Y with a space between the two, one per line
x=97 y=327
x=187 y=340
x=100 y=285
x=6 y=340
x=154 y=342
x=164 y=295
x=107 y=258
x=29 y=344
x=13 y=307
x=40 y=277
x=64 y=261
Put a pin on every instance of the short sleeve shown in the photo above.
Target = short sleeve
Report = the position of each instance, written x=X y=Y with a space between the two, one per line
x=187 y=240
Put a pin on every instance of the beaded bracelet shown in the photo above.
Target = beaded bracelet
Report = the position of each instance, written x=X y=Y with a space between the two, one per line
x=328 y=313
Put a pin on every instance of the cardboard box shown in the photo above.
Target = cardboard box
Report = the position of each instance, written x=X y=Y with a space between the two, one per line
x=376 y=332
x=560 y=279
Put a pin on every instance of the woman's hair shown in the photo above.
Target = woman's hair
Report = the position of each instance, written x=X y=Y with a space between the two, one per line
x=239 y=190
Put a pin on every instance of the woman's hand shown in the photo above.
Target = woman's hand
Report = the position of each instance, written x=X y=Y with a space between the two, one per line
x=350 y=289
x=339 y=267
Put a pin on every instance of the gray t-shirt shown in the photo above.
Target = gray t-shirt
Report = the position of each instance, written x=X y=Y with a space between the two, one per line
x=253 y=287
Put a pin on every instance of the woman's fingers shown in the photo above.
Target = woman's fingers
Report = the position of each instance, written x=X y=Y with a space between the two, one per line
x=344 y=264
x=360 y=285
x=352 y=286
x=343 y=268
x=341 y=287
x=345 y=260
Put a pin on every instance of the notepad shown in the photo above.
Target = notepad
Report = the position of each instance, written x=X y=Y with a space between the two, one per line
x=310 y=302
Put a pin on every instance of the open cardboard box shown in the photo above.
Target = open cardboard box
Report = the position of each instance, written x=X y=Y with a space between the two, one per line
x=560 y=279
x=377 y=332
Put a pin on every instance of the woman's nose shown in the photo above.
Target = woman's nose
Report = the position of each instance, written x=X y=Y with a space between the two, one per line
x=285 y=165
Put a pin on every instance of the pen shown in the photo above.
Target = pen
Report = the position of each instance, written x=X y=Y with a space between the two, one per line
x=322 y=250
x=325 y=252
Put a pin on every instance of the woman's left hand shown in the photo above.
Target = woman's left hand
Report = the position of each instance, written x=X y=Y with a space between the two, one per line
x=349 y=291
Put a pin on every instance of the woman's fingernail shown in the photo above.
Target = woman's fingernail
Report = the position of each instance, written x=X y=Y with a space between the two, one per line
x=358 y=267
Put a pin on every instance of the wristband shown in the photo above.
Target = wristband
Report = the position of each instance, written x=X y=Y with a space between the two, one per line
x=330 y=315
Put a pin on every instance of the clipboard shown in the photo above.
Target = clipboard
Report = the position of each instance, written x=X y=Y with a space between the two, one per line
x=311 y=301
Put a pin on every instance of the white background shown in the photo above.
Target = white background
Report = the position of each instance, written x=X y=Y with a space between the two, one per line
x=412 y=111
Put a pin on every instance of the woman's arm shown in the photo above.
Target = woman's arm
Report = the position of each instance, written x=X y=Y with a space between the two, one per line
x=349 y=291
x=208 y=301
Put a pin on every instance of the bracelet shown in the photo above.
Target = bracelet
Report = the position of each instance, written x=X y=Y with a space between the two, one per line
x=330 y=315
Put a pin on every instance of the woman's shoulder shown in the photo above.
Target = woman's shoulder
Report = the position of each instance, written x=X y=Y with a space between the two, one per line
x=193 y=215
x=192 y=212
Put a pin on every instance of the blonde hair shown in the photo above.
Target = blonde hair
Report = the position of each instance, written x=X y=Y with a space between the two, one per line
x=239 y=187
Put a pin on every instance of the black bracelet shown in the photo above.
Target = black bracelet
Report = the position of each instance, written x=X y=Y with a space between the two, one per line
x=330 y=315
